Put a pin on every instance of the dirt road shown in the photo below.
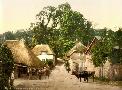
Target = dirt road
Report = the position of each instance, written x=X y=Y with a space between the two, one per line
x=61 y=80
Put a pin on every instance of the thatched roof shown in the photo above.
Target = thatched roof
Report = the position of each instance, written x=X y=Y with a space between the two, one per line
x=42 y=48
x=79 y=47
x=22 y=54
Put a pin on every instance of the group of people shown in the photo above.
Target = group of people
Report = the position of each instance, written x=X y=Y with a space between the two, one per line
x=45 y=71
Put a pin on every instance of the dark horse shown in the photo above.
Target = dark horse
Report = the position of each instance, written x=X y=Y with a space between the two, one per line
x=84 y=74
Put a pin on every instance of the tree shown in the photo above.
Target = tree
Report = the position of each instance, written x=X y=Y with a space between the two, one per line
x=26 y=35
x=118 y=37
x=106 y=47
x=7 y=36
x=103 y=48
x=99 y=54
x=60 y=27
x=7 y=64
x=116 y=54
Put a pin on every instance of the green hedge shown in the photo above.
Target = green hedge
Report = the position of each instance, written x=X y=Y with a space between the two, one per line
x=49 y=62
x=7 y=64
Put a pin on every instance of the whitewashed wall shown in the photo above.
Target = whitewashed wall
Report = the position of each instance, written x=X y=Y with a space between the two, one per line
x=77 y=58
x=89 y=63
x=41 y=57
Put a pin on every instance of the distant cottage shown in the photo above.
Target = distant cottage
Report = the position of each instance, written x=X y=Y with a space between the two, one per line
x=44 y=52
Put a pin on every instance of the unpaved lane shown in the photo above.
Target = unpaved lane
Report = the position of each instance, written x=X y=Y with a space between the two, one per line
x=61 y=80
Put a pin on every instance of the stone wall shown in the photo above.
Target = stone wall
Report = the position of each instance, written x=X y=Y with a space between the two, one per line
x=110 y=71
x=115 y=72
x=103 y=71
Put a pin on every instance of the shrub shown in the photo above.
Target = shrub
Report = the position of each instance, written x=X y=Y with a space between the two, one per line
x=67 y=65
x=49 y=62
x=7 y=64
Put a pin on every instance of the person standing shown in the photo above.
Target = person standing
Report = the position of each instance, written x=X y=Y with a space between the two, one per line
x=40 y=73
x=12 y=79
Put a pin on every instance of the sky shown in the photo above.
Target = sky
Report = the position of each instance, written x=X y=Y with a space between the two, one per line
x=18 y=14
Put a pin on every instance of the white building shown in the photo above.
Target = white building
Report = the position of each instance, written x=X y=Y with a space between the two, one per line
x=44 y=52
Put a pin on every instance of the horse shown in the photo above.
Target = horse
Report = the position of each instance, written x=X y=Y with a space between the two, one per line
x=84 y=74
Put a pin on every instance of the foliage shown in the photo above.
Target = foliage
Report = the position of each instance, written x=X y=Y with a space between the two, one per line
x=59 y=27
x=7 y=36
x=103 y=79
x=116 y=54
x=118 y=38
x=104 y=47
x=7 y=65
x=99 y=54
x=67 y=65
x=26 y=35
x=49 y=62
x=18 y=35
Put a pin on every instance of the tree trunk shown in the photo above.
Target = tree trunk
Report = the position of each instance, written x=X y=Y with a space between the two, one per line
x=56 y=60
x=102 y=70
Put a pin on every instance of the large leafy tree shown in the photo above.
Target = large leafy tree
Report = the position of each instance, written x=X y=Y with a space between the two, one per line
x=103 y=48
x=116 y=54
x=60 y=27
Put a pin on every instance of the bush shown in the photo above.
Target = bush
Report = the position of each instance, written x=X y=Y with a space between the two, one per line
x=7 y=64
x=49 y=62
x=67 y=65
x=104 y=79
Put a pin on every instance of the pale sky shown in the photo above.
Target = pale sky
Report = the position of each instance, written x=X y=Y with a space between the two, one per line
x=18 y=14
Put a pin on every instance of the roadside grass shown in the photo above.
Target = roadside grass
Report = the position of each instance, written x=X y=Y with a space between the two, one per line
x=108 y=82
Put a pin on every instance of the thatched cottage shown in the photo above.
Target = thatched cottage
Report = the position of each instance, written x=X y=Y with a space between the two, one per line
x=76 y=56
x=23 y=57
x=44 y=52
